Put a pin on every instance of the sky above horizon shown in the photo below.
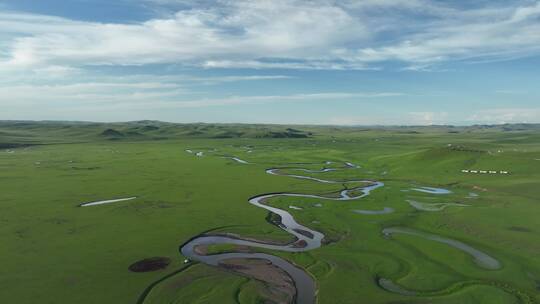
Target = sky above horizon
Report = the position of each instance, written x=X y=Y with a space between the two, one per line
x=344 y=62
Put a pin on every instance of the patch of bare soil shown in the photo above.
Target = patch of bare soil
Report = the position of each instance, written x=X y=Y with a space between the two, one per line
x=300 y=244
x=480 y=188
x=279 y=287
x=201 y=249
x=150 y=264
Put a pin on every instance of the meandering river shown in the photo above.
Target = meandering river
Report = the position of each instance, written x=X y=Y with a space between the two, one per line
x=307 y=238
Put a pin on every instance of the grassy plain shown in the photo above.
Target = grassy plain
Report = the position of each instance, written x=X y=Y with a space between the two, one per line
x=58 y=252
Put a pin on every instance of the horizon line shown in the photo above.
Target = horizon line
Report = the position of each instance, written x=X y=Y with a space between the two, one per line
x=274 y=124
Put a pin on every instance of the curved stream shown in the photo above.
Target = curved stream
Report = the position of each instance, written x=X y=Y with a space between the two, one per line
x=107 y=201
x=433 y=207
x=432 y=190
x=481 y=259
x=307 y=239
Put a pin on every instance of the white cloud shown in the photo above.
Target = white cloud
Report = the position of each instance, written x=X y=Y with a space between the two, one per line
x=259 y=99
x=141 y=96
x=523 y=13
x=498 y=34
x=505 y=115
x=63 y=103
x=391 y=118
x=357 y=121
x=309 y=65
x=48 y=62
x=511 y=92
x=319 y=34
x=107 y=89
x=428 y=118
x=81 y=94
x=242 y=30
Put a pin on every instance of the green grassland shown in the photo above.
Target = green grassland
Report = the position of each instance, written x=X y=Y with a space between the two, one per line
x=54 y=251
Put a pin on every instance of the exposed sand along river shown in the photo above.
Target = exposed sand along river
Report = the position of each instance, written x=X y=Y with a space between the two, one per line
x=307 y=238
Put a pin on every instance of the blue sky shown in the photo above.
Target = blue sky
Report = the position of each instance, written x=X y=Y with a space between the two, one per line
x=364 y=62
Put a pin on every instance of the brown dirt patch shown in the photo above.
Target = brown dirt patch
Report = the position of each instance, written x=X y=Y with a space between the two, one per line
x=279 y=287
x=480 y=188
x=201 y=249
x=150 y=264
x=300 y=244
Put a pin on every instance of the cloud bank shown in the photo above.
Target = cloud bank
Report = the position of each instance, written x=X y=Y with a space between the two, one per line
x=224 y=53
x=291 y=34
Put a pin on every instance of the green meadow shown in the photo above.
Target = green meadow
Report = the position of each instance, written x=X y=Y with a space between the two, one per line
x=54 y=251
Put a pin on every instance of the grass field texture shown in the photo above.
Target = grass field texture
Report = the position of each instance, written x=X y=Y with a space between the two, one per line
x=57 y=252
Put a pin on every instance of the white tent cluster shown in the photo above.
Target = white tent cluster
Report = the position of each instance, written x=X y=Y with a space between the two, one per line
x=484 y=171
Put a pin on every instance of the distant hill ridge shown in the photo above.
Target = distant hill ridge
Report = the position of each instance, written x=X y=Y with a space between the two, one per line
x=16 y=133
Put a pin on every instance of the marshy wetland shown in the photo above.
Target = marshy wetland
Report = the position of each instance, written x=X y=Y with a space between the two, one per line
x=344 y=215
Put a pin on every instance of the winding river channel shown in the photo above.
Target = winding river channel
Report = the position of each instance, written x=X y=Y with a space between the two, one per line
x=307 y=238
